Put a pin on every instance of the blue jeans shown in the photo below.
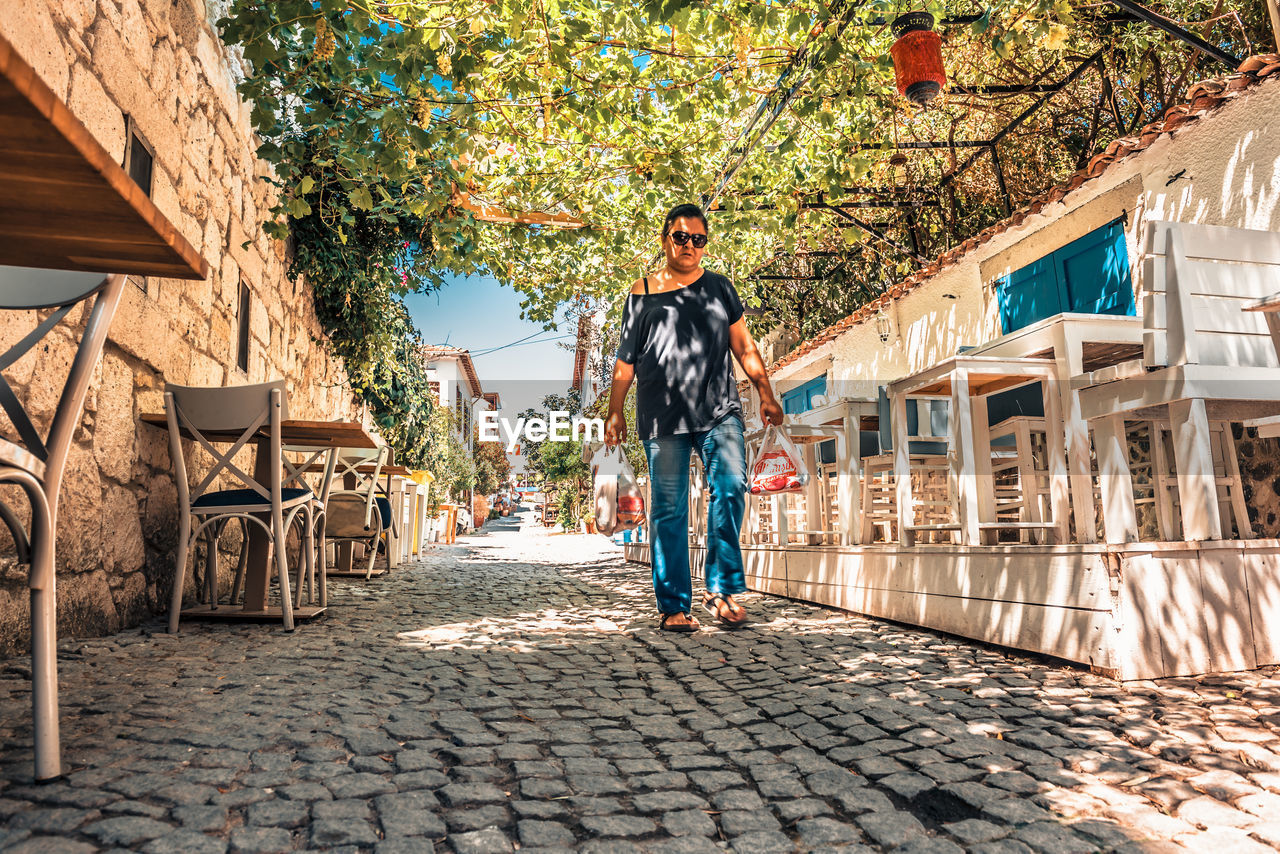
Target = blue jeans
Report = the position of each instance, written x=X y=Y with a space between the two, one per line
x=724 y=459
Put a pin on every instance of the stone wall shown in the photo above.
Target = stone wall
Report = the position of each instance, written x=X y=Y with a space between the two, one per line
x=160 y=63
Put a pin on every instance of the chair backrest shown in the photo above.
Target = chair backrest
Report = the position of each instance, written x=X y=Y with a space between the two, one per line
x=937 y=412
x=349 y=463
x=308 y=457
x=27 y=288
x=1195 y=281
x=237 y=413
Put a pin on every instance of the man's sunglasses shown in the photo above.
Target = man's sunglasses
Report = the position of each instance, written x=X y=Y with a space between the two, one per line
x=680 y=238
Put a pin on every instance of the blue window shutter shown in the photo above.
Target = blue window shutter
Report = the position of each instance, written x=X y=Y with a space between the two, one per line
x=1089 y=275
x=1029 y=294
x=793 y=401
x=801 y=399
x=815 y=388
x=1095 y=270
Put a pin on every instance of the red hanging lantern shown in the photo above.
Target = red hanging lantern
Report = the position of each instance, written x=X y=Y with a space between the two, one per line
x=917 y=58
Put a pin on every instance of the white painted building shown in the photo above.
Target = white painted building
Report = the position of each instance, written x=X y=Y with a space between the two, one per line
x=456 y=385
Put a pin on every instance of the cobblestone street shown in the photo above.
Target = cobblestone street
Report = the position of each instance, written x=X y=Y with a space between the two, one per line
x=513 y=692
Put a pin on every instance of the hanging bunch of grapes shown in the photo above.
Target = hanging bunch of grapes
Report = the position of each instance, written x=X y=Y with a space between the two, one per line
x=325 y=41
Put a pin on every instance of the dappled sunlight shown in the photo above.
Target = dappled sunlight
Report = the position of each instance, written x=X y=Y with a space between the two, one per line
x=520 y=633
x=528 y=671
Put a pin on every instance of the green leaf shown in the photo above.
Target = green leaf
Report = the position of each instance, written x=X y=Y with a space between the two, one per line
x=361 y=199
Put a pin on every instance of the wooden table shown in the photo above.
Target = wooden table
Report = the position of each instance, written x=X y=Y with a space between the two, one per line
x=316 y=434
x=966 y=381
x=65 y=204
x=1077 y=343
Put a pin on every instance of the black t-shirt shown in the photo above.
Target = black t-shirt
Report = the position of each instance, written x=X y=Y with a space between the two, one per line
x=679 y=343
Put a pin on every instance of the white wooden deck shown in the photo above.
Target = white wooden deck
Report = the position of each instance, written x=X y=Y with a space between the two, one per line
x=1136 y=611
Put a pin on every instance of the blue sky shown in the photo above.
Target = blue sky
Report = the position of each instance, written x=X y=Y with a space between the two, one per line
x=478 y=314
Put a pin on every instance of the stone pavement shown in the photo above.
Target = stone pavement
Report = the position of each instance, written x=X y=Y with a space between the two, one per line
x=513 y=693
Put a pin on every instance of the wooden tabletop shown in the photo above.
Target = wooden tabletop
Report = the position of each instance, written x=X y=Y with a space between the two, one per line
x=319 y=434
x=986 y=375
x=65 y=204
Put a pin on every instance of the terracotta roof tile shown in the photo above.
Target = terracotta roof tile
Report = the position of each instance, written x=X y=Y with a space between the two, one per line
x=1202 y=97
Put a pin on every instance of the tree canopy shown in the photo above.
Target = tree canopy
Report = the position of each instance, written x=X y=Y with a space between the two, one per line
x=391 y=123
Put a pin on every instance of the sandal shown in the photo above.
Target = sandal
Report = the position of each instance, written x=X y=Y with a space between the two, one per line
x=730 y=614
x=684 y=628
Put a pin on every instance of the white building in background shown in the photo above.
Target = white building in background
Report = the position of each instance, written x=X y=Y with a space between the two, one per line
x=588 y=377
x=456 y=385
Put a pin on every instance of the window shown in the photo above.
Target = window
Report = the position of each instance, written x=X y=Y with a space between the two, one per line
x=801 y=399
x=139 y=157
x=1089 y=275
x=242 y=329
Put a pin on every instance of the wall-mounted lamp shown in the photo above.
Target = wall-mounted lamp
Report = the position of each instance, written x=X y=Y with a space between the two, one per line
x=884 y=326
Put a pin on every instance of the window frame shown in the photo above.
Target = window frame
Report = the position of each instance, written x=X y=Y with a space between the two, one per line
x=244 y=314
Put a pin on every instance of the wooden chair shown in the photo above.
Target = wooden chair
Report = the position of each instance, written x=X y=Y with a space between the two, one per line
x=1204 y=360
x=234 y=414
x=1020 y=476
x=1233 y=511
x=360 y=511
x=296 y=474
x=35 y=463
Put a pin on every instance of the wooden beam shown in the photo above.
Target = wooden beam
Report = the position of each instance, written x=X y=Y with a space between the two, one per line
x=848 y=447
x=964 y=462
x=1119 y=515
x=492 y=213
x=902 y=471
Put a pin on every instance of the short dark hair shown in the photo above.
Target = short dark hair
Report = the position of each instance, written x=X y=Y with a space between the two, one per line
x=686 y=210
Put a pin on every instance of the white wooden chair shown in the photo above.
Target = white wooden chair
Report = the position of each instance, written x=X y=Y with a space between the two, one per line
x=1232 y=507
x=239 y=412
x=1020 y=476
x=1204 y=359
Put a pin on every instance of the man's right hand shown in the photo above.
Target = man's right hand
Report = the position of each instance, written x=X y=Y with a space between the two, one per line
x=615 y=429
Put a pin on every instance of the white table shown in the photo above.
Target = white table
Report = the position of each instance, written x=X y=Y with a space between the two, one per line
x=1076 y=343
x=967 y=381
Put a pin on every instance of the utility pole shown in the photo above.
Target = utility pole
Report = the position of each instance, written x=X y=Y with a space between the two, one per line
x=1273 y=9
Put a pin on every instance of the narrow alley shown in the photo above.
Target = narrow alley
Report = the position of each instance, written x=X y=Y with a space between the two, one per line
x=513 y=692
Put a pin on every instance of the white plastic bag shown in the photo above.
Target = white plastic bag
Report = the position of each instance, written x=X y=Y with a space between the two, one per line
x=619 y=503
x=778 y=466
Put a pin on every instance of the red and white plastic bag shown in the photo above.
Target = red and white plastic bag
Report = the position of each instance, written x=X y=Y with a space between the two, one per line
x=778 y=466
x=619 y=503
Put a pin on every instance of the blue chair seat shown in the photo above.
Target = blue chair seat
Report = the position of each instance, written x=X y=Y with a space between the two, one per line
x=241 y=497
x=384 y=511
